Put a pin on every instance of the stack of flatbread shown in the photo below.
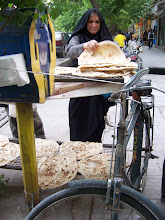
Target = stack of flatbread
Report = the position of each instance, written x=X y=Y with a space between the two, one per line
x=60 y=70
x=59 y=164
x=92 y=162
x=8 y=151
x=108 y=60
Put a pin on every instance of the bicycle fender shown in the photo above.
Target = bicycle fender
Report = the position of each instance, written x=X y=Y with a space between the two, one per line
x=87 y=183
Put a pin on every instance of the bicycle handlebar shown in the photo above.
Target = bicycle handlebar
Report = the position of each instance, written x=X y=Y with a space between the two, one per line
x=136 y=77
x=157 y=70
x=129 y=85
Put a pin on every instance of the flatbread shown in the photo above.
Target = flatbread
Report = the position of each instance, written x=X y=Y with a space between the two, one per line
x=3 y=140
x=82 y=149
x=108 y=58
x=96 y=167
x=101 y=74
x=8 y=153
x=56 y=170
x=111 y=69
x=59 y=70
x=107 y=52
x=46 y=147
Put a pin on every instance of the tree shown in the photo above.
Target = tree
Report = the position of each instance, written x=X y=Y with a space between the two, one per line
x=118 y=14
x=18 y=17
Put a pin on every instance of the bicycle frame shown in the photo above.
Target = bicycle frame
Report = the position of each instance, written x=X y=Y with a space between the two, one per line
x=130 y=120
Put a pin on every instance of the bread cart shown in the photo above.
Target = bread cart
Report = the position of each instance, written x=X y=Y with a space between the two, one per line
x=35 y=42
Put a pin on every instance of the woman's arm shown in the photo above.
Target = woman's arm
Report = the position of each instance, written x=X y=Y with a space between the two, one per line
x=74 y=48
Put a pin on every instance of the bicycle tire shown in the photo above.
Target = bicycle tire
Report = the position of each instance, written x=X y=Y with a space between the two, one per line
x=142 y=166
x=138 y=206
x=146 y=148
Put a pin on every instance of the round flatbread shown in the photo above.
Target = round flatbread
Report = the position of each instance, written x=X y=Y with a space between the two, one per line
x=107 y=52
x=8 y=153
x=57 y=170
x=46 y=147
x=3 y=140
x=82 y=149
x=108 y=58
x=96 y=167
x=59 y=70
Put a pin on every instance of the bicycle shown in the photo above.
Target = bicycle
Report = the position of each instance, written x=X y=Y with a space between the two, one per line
x=133 y=54
x=118 y=197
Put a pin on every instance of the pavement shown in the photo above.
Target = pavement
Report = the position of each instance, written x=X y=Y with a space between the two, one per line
x=54 y=114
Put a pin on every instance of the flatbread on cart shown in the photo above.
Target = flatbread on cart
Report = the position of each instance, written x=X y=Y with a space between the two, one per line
x=108 y=58
x=3 y=140
x=8 y=153
x=104 y=74
x=108 y=52
x=59 y=70
x=46 y=147
x=56 y=170
x=82 y=149
x=107 y=61
x=96 y=167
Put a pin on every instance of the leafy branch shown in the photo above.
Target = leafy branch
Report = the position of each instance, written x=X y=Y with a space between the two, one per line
x=11 y=16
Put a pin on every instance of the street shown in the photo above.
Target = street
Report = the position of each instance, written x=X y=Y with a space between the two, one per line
x=54 y=114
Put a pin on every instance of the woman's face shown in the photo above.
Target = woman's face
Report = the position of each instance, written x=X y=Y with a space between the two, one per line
x=93 y=24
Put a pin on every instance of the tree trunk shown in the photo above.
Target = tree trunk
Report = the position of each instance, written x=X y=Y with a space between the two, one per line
x=95 y=4
x=111 y=28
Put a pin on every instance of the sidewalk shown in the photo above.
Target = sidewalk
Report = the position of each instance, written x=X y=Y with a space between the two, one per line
x=54 y=115
x=156 y=58
x=153 y=57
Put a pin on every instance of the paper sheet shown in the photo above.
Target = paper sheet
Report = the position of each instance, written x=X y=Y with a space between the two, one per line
x=13 y=70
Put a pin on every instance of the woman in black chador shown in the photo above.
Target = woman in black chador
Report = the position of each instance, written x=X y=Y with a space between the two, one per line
x=86 y=115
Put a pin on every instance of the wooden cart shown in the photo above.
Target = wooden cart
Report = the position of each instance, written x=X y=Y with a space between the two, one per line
x=36 y=41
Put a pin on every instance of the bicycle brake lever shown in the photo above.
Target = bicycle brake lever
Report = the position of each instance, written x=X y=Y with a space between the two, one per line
x=114 y=96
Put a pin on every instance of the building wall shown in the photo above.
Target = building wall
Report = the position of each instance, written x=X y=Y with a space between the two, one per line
x=161 y=32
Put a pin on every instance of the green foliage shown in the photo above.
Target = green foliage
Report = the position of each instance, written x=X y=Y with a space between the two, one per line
x=3 y=181
x=68 y=21
x=118 y=14
x=20 y=17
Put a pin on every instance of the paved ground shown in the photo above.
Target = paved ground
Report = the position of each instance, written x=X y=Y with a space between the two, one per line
x=54 y=114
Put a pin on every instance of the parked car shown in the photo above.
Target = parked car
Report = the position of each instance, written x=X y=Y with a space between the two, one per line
x=61 y=40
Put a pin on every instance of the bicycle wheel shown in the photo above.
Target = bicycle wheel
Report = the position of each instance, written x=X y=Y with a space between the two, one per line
x=146 y=153
x=137 y=171
x=88 y=202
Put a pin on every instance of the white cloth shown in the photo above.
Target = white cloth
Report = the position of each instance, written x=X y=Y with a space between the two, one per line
x=13 y=70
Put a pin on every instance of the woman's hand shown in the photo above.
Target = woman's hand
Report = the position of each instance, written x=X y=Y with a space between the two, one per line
x=92 y=45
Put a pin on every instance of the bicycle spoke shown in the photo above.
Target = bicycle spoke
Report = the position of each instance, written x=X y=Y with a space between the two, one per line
x=86 y=208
